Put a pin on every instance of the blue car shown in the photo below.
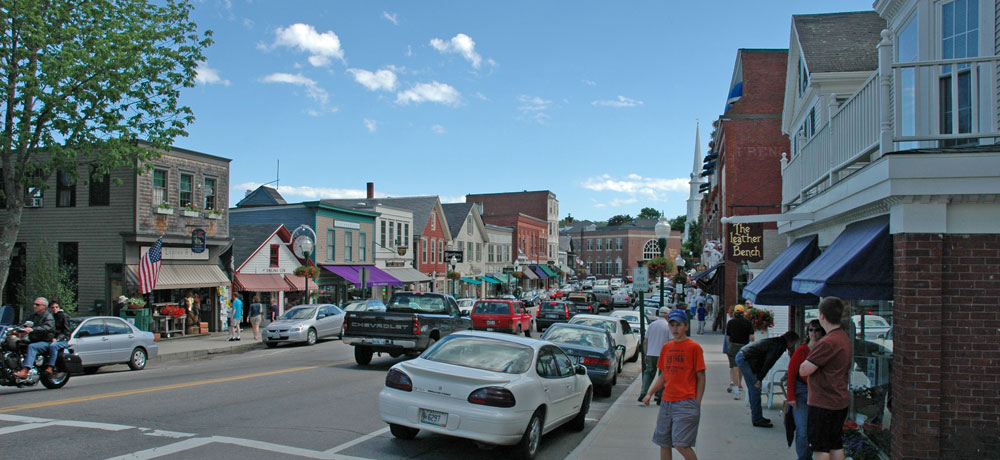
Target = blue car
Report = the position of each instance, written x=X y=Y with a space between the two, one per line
x=591 y=346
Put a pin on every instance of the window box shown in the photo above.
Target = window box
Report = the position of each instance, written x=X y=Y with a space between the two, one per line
x=163 y=210
x=215 y=215
x=188 y=213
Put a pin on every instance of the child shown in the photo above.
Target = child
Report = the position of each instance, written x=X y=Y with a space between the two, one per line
x=682 y=377
x=702 y=313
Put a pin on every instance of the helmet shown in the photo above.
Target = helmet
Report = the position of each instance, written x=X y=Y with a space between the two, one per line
x=738 y=309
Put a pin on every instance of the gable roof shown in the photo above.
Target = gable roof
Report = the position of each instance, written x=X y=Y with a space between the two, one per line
x=420 y=206
x=456 y=214
x=262 y=196
x=248 y=239
x=839 y=42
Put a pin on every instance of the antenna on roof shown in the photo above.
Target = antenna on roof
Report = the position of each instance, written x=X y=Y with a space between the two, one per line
x=277 y=176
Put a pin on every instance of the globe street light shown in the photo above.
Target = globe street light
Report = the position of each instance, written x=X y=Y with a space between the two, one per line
x=454 y=262
x=679 y=261
x=662 y=231
x=305 y=245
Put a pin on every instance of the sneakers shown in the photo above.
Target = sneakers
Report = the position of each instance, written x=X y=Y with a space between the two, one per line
x=232 y=339
x=729 y=389
x=763 y=423
x=736 y=393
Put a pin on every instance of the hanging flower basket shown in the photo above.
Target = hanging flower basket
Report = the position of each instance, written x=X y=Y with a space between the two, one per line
x=761 y=319
x=308 y=271
x=659 y=266
x=454 y=275
x=136 y=303
x=518 y=275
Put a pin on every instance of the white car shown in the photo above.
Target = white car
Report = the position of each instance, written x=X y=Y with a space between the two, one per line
x=305 y=323
x=631 y=316
x=620 y=297
x=466 y=304
x=617 y=283
x=489 y=387
x=874 y=326
x=621 y=332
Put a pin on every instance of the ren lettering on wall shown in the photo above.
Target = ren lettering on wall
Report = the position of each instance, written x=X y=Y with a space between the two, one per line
x=745 y=242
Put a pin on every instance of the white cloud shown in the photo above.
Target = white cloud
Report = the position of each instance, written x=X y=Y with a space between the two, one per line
x=293 y=193
x=207 y=75
x=320 y=46
x=482 y=96
x=380 y=79
x=533 y=108
x=636 y=187
x=621 y=101
x=429 y=92
x=391 y=17
x=590 y=82
x=460 y=44
x=438 y=129
x=370 y=124
x=312 y=89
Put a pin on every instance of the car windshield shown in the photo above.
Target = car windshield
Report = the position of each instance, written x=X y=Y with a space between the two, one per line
x=602 y=323
x=553 y=306
x=415 y=303
x=630 y=318
x=481 y=353
x=492 y=308
x=576 y=336
x=299 y=313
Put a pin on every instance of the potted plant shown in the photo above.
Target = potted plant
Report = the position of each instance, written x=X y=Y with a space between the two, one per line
x=214 y=215
x=857 y=444
x=453 y=275
x=191 y=211
x=163 y=208
x=761 y=320
x=136 y=302
x=309 y=271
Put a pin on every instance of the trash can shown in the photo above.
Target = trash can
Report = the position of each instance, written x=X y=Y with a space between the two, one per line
x=99 y=308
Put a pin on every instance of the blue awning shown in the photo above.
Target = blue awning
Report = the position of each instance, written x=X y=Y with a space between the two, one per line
x=857 y=265
x=773 y=286
x=538 y=271
x=489 y=279
x=705 y=273
x=471 y=281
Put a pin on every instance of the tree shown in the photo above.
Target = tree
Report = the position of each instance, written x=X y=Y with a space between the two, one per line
x=620 y=219
x=691 y=249
x=89 y=83
x=677 y=223
x=46 y=278
x=648 y=213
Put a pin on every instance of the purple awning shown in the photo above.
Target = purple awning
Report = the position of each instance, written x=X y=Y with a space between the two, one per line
x=538 y=271
x=346 y=272
x=352 y=273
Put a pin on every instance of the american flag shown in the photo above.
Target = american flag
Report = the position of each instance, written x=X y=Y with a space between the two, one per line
x=149 y=267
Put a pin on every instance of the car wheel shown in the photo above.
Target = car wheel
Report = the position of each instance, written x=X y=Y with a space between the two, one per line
x=578 y=422
x=403 y=432
x=635 y=356
x=270 y=344
x=138 y=361
x=363 y=355
x=527 y=333
x=607 y=387
x=341 y=335
x=90 y=370
x=528 y=446
x=311 y=337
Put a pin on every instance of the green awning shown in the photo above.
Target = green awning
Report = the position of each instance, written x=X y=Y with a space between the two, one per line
x=549 y=271
x=471 y=281
x=502 y=277
x=489 y=280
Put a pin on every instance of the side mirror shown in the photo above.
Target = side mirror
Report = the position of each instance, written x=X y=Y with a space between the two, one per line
x=581 y=369
x=620 y=347
x=880 y=336
x=464 y=313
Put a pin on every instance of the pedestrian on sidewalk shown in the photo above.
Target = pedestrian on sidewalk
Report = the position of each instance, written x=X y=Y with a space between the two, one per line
x=754 y=361
x=702 y=313
x=798 y=386
x=657 y=334
x=738 y=331
x=235 y=316
x=682 y=379
x=256 y=312
x=828 y=369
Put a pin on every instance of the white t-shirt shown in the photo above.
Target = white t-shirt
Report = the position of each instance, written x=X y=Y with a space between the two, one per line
x=657 y=334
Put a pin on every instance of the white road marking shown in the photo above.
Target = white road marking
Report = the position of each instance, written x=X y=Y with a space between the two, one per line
x=25 y=427
x=165 y=434
x=22 y=419
x=355 y=442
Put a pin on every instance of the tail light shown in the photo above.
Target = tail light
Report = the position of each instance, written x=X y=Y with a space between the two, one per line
x=416 y=325
x=399 y=380
x=566 y=309
x=493 y=396
x=596 y=361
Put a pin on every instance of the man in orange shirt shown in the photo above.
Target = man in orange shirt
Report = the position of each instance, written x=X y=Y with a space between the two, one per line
x=682 y=377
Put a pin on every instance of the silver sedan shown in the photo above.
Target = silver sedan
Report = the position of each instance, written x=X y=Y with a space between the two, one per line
x=104 y=340
x=306 y=323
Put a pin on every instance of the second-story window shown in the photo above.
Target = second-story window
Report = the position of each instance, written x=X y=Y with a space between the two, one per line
x=468 y=225
x=382 y=235
x=331 y=245
x=274 y=255
x=433 y=250
x=348 y=246
x=959 y=39
x=406 y=234
x=392 y=234
x=479 y=252
x=468 y=251
x=423 y=250
x=600 y=241
x=362 y=247
x=100 y=189
x=159 y=186
x=590 y=245
x=186 y=194
x=399 y=234
x=209 y=191
x=618 y=243
x=803 y=78
x=441 y=251
x=489 y=253
x=65 y=189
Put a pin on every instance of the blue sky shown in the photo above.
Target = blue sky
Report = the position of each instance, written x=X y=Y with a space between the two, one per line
x=595 y=101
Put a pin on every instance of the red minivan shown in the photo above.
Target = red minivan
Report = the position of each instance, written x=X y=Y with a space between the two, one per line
x=501 y=315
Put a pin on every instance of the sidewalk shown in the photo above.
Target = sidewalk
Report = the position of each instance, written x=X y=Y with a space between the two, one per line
x=196 y=346
x=626 y=430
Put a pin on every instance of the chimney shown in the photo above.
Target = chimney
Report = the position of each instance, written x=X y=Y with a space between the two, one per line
x=371 y=190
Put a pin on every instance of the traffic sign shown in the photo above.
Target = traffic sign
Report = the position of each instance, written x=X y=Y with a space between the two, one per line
x=640 y=279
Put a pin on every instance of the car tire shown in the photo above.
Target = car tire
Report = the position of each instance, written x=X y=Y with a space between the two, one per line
x=340 y=336
x=311 y=337
x=527 y=333
x=270 y=344
x=138 y=358
x=91 y=370
x=527 y=448
x=607 y=387
x=635 y=356
x=578 y=423
x=363 y=355
x=403 y=432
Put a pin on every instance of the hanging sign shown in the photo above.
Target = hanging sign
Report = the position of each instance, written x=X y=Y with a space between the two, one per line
x=745 y=242
x=198 y=240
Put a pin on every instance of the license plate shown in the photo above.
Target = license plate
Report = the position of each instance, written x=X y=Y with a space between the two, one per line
x=433 y=417
x=552 y=315
x=489 y=329
x=378 y=341
x=490 y=322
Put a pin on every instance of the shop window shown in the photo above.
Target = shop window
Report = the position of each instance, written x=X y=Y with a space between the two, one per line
x=159 y=186
x=348 y=246
x=870 y=325
x=186 y=194
x=362 y=247
x=99 y=189
x=274 y=255
x=65 y=189
x=209 y=191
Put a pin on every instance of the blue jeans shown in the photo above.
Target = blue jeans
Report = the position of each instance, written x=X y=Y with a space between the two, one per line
x=54 y=349
x=33 y=350
x=753 y=393
x=801 y=414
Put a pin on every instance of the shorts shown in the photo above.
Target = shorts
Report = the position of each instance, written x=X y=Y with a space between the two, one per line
x=677 y=423
x=255 y=320
x=731 y=352
x=824 y=429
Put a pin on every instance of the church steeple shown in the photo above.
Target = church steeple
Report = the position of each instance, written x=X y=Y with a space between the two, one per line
x=694 y=200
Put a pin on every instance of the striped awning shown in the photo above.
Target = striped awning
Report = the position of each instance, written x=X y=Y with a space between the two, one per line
x=296 y=283
x=264 y=282
x=503 y=278
x=549 y=271
x=187 y=276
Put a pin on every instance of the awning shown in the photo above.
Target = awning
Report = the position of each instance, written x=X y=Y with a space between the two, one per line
x=705 y=273
x=489 y=279
x=352 y=273
x=714 y=284
x=549 y=271
x=187 y=276
x=503 y=278
x=470 y=281
x=298 y=282
x=408 y=275
x=529 y=273
x=857 y=265
x=538 y=271
x=773 y=286
x=265 y=282
x=343 y=271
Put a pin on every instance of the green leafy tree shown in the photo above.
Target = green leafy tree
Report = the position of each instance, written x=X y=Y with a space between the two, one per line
x=89 y=83
x=648 y=213
x=47 y=278
x=691 y=249
x=677 y=223
x=620 y=219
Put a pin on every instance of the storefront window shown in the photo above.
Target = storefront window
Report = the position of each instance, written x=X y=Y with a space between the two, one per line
x=870 y=328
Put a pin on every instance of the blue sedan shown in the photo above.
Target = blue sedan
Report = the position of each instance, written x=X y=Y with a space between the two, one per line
x=591 y=346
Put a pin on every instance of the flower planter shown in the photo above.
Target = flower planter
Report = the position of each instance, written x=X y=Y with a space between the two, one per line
x=758 y=335
x=159 y=210
x=187 y=213
x=135 y=306
x=214 y=216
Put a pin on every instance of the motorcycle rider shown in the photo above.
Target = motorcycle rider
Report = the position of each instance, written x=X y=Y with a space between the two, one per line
x=40 y=334
x=62 y=332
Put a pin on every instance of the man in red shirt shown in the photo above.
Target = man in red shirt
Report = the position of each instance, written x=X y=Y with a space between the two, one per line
x=682 y=377
x=828 y=368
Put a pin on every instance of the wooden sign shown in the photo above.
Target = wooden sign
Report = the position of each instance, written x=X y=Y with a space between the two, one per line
x=745 y=242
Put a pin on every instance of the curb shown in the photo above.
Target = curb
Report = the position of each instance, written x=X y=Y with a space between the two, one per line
x=603 y=423
x=234 y=349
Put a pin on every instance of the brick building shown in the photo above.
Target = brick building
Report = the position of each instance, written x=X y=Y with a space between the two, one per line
x=613 y=251
x=540 y=204
x=529 y=247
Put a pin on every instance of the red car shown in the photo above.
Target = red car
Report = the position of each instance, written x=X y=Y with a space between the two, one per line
x=501 y=315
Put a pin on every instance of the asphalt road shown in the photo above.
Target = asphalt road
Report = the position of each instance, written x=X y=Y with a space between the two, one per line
x=288 y=402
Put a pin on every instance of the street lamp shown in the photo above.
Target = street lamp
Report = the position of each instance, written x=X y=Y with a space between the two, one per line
x=304 y=243
x=517 y=268
x=662 y=231
x=679 y=262
x=454 y=262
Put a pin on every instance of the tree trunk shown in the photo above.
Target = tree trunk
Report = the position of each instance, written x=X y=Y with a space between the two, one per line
x=11 y=220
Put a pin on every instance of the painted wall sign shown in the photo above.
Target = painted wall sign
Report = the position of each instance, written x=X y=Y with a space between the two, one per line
x=345 y=224
x=177 y=253
x=395 y=263
x=198 y=240
x=745 y=242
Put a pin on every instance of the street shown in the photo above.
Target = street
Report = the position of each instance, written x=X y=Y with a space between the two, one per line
x=288 y=402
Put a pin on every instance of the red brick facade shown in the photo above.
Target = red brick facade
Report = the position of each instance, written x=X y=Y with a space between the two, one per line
x=432 y=236
x=633 y=243
x=946 y=363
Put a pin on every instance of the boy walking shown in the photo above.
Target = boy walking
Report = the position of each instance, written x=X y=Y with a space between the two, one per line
x=702 y=313
x=682 y=378
x=828 y=368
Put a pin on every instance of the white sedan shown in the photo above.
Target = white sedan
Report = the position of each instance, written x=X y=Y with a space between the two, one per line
x=489 y=387
x=621 y=332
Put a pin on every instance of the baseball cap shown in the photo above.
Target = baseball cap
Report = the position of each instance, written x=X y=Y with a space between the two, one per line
x=664 y=311
x=678 y=315
x=738 y=309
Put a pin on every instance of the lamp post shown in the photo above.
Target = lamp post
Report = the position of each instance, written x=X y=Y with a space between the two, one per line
x=679 y=262
x=517 y=284
x=454 y=262
x=305 y=245
x=662 y=231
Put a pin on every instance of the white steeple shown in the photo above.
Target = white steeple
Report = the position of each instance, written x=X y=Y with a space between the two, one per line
x=694 y=200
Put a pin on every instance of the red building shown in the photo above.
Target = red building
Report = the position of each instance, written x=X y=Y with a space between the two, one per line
x=530 y=246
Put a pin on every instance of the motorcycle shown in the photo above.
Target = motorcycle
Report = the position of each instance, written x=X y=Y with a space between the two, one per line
x=14 y=347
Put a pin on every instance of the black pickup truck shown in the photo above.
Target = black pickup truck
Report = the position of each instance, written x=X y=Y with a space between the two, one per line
x=411 y=322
